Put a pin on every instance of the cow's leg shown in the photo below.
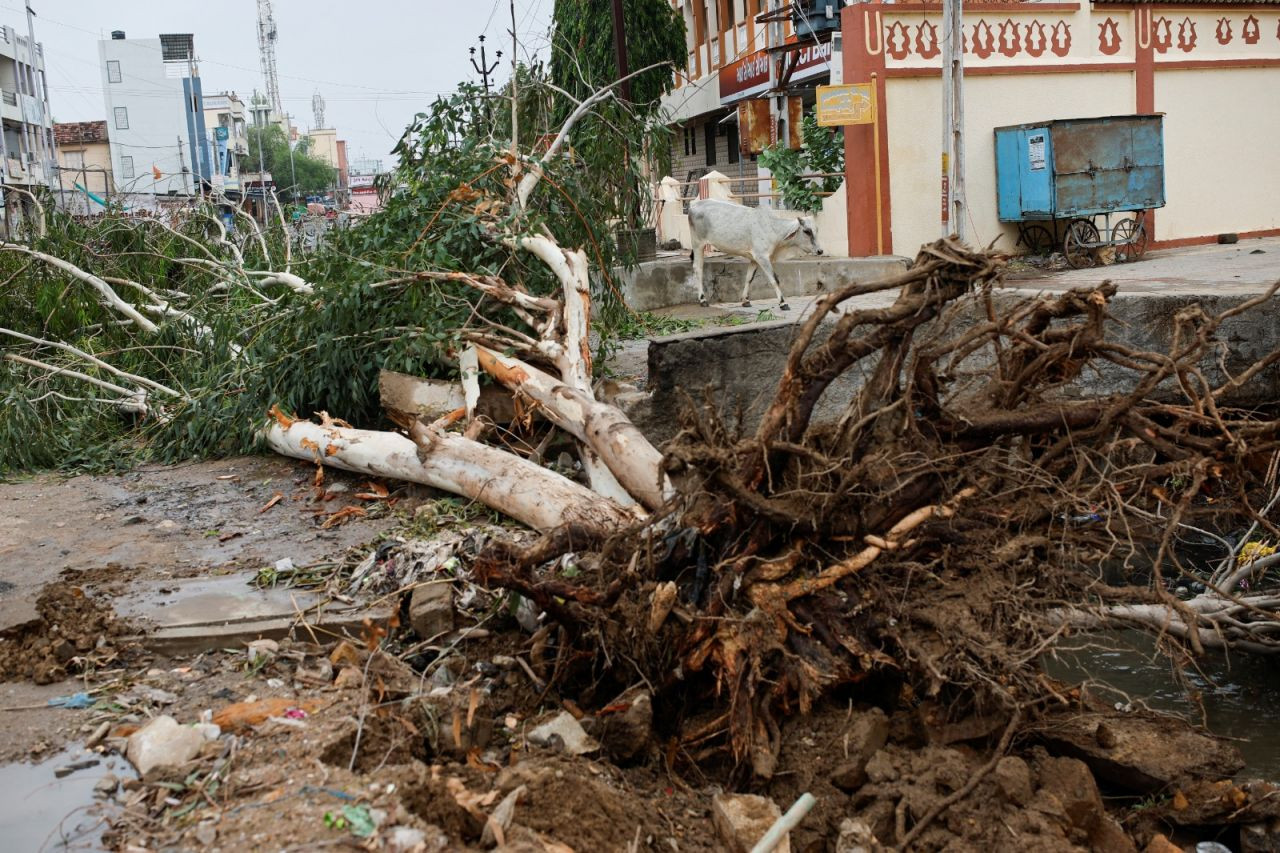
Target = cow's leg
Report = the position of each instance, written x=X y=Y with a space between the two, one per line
x=766 y=266
x=699 y=259
x=746 y=288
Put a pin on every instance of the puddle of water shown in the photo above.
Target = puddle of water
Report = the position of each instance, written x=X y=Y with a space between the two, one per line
x=40 y=811
x=1240 y=694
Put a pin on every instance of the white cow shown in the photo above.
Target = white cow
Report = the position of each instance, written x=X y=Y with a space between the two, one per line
x=747 y=232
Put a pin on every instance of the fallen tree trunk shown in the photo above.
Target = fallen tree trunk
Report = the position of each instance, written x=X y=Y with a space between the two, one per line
x=605 y=429
x=529 y=493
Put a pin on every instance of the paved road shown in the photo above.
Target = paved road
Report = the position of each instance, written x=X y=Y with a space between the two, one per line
x=1245 y=267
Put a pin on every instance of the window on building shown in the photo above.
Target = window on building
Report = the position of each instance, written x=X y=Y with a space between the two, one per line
x=73 y=159
x=113 y=71
x=122 y=118
x=690 y=142
x=126 y=167
x=709 y=129
x=730 y=13
x=731 y=139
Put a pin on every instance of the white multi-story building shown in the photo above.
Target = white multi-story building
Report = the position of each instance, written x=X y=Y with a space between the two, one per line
x=225 y=116
x=155 y=116
x=27 y=147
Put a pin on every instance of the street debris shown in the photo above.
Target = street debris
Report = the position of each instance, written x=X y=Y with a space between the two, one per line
x=565 y=733
x=163 y=746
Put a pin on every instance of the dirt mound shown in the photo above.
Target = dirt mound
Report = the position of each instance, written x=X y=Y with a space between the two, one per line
x=71 y=632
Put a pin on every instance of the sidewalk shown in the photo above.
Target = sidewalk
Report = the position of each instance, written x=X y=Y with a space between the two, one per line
x=1249 y=266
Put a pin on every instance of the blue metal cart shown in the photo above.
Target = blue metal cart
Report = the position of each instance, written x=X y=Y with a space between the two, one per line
x=1058 y=177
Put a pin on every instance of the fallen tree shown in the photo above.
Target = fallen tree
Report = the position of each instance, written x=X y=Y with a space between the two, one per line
x=933 y=543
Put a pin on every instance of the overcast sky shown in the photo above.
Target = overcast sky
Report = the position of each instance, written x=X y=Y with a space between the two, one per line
x=376 y=62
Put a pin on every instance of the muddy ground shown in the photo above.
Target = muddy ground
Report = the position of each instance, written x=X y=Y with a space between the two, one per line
x=393 y=740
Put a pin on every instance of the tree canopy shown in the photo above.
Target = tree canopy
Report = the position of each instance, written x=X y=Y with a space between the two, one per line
x=313 y=174
x=582 y=55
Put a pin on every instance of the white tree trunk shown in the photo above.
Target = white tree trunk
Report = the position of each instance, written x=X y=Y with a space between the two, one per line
x=635 y=462
x=529 y=493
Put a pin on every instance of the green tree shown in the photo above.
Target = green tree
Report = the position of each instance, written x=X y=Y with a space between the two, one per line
x=822 y=153
x=583 y=60
x=314 y=175
x=582 y=55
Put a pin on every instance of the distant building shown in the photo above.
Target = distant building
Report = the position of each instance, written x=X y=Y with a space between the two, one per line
x=362 y=173
x=226 y=116
x=26 y=143
x=155 y=116
x=326 y=146
x=84 y=165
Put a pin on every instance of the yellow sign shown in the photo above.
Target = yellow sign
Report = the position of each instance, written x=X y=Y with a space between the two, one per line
x=852 y=103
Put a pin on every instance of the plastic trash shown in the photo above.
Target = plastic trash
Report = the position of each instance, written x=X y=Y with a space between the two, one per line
x=76 y=701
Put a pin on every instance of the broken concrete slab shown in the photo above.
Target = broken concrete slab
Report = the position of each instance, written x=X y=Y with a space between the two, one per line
x=743 y=819
x=431 y=608
x=201 y=614
x=1148 y=753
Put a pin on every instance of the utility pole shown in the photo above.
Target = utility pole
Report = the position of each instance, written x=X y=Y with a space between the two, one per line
x=953 y=198
x=620 y=48
x=45 y=143
x=484 y=69
x=182 y=163
x=262 y=169
x=293 y=189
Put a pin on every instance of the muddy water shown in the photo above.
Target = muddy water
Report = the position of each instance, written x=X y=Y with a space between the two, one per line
x=39 y=811
x=1238 y=697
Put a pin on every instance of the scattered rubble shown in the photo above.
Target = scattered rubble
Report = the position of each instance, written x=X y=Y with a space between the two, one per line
x=743 y=819
x=163 y=746
x=564 y=732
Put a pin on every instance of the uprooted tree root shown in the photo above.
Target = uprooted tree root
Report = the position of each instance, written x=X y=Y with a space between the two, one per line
x=936 y=540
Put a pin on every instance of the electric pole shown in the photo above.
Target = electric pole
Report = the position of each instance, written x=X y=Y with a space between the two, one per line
x=46 y=144
x=182 y=163
x=484 y=69
x=620 y=48
x=953 y=198
x=293 y=190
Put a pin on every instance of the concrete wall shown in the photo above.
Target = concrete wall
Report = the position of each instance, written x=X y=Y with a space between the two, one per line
x=157 y=118
x=95 y=174
x=990 y=102
x=1216 y=181
x=1213 y=70
x=662 y=283
x=741 y=366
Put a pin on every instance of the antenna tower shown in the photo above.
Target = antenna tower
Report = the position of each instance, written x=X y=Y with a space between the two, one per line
x=267 y=55
x=317 y=107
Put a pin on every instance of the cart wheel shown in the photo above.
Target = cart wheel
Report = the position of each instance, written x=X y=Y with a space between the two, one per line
x=1037 y=239
x=1130 y=237
x=1079 y=242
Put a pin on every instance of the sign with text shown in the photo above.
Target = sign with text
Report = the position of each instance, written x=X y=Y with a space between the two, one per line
x=812 y=61
x=748 y=77
x=852 y=103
